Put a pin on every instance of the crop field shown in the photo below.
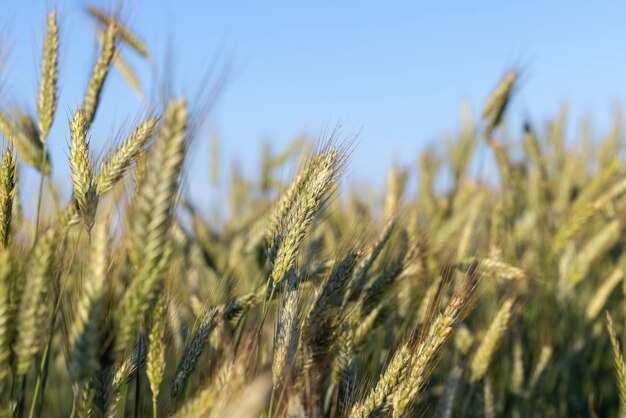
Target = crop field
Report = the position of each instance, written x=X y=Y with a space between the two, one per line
x=310 y=299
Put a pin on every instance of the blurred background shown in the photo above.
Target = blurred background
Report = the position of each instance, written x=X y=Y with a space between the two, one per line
x=396 y=75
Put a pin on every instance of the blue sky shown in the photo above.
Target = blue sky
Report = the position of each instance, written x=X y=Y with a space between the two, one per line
x=394 y=71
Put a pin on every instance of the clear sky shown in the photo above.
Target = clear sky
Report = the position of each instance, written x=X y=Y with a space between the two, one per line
x=394 y=71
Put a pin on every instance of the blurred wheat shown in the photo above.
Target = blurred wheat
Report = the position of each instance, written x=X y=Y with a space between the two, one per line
x=465 y=297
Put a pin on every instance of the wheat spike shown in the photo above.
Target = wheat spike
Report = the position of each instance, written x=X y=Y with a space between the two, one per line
x=517 y=377
x=194 y=349
x=84 y=333
x=489 y=408
x=151 y=221
x=47 y=99
x=115 y=166
x=592 y=251
x=286 y=335
x=8 y=177
x=155 y=366
x=34 y=308
x=82 y=170
x=544 y=358
x=99 y=73
x=376 y=400
x=598 y=300
x=29 y=149
x=278 y=217
x=618 y=360
x=308 y=205
x=439 y=332
x=128 y=37
x=497 y=103
x=124 y=69
x=490 y=342
x=344 y=368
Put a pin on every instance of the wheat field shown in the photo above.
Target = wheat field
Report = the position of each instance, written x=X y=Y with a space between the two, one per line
x=501 y=298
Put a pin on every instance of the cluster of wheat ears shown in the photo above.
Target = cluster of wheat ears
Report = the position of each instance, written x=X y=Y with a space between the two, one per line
x=473 y=299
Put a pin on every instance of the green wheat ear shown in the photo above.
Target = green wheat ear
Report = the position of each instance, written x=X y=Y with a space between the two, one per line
x=114 y=167
x=99 y=73
x=128 y=37
x=84 y=332
x=35 y=306
x=8 y=177
x=155 y=366
x=150 y=226
x=82 y=169
x=618 y=360
x=490 y=342
x=29 y=148
x=47 y=100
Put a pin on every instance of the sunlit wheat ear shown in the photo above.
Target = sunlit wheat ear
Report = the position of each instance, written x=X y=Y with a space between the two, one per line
x=156 y=197
x=307 y=205
x=85 y=331
x=124 y=69
x=593 y=249
x=426 y=354
x=287 y=328
x=600 y=297
x=8 y=177
x=151 y=221
x=493 y=268
x=47 y=99
x=278 y=216
x=99 y=73
x=115 y=166
x=82 y=170
x=491 y=340
x=128 y=37
x=29 y=149
x=376 y=401
x=497 y=103
x=155 y=367
x=194 y=349
x=32 y=318
x=618 y=360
